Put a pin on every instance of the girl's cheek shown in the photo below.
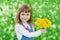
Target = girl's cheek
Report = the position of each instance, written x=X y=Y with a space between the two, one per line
x=28 y=17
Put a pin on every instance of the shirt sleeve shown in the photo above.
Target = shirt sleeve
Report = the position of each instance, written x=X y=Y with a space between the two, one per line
x=26 y=33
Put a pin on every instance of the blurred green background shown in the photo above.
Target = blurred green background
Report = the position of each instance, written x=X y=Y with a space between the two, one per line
x=40 y=8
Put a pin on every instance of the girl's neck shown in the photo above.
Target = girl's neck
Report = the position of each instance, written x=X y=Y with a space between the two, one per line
x=25 y=22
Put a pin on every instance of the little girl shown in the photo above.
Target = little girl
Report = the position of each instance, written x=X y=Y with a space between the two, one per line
x=24 y=26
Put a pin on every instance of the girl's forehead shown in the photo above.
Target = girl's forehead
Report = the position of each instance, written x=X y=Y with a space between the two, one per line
x=25 y=12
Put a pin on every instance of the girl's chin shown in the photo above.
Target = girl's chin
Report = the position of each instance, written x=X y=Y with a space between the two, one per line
x=24 y=21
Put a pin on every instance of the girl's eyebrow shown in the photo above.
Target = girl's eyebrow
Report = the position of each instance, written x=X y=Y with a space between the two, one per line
x=22 y=12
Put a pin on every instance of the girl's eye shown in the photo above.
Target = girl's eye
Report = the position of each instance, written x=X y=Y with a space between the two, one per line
x=27 y=14
x=22 y=14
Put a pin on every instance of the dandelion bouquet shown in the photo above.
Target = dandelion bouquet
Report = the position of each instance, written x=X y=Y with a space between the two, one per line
x=43 y=23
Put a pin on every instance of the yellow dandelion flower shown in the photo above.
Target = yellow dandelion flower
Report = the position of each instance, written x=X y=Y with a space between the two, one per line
x=43 y=23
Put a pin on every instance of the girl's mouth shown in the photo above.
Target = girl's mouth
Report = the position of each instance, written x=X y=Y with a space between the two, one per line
x=24 y=19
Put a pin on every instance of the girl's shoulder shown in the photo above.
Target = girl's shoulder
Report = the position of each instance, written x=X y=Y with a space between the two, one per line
x=32 y=25
x=18 y=25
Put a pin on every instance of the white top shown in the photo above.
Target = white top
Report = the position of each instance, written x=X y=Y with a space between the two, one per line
x=20 y=30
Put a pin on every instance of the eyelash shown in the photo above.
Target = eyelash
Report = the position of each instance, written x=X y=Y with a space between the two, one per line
x=24 y=14
x=27 y=14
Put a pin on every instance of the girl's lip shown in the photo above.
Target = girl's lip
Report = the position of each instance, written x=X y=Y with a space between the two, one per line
x=24 y=19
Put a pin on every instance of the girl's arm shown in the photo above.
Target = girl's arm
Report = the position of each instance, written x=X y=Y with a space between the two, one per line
x=25 y=32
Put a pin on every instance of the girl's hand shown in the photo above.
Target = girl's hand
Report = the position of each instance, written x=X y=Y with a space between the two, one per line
x=43 y=30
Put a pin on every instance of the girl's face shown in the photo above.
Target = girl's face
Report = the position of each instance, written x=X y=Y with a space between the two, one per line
x=25 y=16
